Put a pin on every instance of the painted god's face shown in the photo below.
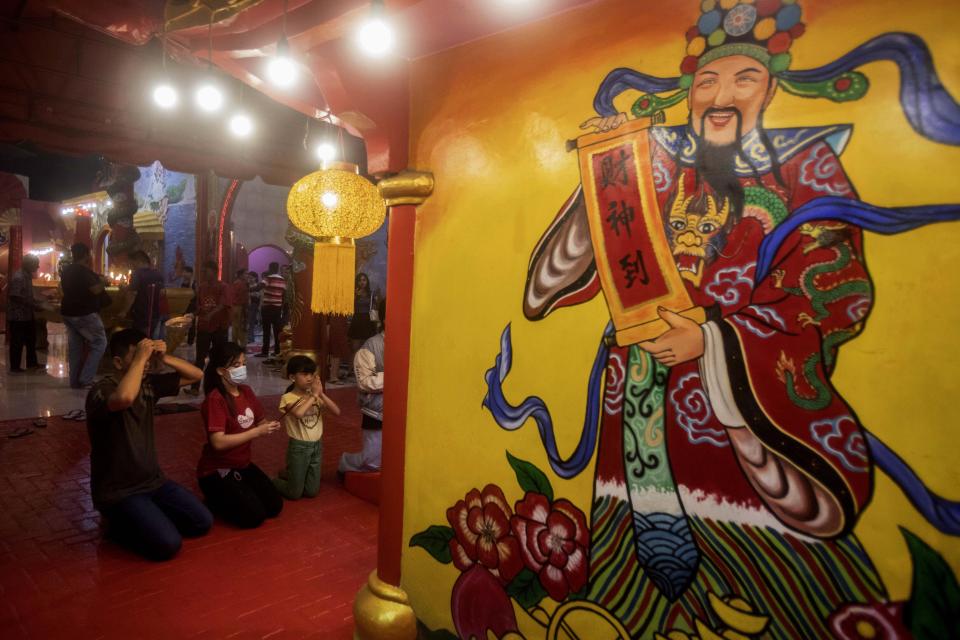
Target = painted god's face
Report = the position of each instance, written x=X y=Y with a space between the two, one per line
x=725 y=91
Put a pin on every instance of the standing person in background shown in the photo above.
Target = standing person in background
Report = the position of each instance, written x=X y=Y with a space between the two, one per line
x=20 y=307
x=83 y=297
x=271 y=308
x=253 y=309
x=213 y=315
x=188 y=281
x=239 y=302
x=338 y=345
x=362 y=325
x=287 y=272
x=143 y=295
x=368 y=364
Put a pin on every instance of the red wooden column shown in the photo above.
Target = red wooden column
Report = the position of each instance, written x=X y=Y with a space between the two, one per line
x=382 y=610
x=402 y=225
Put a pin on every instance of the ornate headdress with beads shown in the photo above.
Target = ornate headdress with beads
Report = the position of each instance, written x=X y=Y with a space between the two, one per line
x=762 y=30
x=765 y=30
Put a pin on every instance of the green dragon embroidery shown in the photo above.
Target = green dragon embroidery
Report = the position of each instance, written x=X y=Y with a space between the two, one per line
x=823 y=236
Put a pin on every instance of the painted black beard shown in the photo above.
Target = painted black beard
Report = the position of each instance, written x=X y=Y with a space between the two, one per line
x=716 y=165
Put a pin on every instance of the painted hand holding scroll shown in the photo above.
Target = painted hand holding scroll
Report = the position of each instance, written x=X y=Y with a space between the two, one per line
x=681 y=343
x=602 y=123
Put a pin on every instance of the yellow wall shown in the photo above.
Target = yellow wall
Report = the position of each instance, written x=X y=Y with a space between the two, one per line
x=490 y=119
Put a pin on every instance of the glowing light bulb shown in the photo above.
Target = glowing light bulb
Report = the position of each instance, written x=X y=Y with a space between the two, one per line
x=209 y=98
x=165 y=96
x=282 y=71
x=326 y=152
x=241 y=125
x=375 y=37
x=329 y=199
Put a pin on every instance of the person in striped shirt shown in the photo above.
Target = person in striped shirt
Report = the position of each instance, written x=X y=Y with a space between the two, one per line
x=270 y=309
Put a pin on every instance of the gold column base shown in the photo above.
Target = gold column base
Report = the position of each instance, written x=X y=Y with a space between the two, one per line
x=382 y=612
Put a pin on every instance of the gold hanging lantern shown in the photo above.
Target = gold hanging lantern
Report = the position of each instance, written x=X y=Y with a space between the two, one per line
x=335 y=206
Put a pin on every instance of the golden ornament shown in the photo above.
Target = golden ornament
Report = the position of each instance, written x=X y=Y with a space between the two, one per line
x=335 y=206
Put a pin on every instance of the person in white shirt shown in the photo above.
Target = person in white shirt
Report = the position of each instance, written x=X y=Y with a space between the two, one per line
x=368 y=367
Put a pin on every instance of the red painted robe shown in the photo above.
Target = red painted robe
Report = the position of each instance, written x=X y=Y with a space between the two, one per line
x=769 y=465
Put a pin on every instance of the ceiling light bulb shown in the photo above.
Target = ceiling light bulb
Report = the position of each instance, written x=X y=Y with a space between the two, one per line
x=241 y=125
x=282 y=71
x=326 y=152
x=209 y=98
x=165 y=96
x=329 y=199
x=375 y=37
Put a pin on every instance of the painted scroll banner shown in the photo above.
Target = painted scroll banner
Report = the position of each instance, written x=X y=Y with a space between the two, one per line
x=634 y=259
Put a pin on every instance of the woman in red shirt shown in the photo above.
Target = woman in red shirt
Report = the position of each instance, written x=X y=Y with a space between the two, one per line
x=235 y=488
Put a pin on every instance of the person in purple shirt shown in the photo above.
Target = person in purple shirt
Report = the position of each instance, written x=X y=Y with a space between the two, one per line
x=143 y=295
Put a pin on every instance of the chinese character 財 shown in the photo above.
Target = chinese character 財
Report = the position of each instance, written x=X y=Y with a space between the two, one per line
x=612 y=170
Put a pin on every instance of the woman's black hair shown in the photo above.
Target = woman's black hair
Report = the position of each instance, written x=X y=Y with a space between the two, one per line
x=356 y=282
x=220 y=356
x=299 y=364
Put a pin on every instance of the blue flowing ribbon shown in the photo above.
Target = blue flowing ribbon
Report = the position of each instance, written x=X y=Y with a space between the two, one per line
x=884 y=220
x=512 y=417
x=927 y=105
x=622 y=79
x=941 y=513
x=930 y=109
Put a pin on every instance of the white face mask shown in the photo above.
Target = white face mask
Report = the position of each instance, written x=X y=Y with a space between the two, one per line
x=237 y=374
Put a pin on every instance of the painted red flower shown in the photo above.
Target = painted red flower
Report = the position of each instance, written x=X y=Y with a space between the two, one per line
x=554 y=541
x=481 y=522
x=881 y=621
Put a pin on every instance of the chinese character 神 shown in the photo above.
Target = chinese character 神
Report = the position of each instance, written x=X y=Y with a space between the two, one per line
x=621 y=215
x=634 y=268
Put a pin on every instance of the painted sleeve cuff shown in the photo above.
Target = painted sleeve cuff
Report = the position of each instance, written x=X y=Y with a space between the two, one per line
x=716 y=380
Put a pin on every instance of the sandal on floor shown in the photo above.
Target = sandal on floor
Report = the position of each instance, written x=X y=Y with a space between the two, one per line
x=19 y=432
x=40 y=423
x=72 y=415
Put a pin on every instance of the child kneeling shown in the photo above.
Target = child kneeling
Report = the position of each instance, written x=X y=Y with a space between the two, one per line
x=302 y=406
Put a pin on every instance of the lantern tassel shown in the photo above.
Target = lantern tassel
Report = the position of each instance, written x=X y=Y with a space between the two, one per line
x=333 y=267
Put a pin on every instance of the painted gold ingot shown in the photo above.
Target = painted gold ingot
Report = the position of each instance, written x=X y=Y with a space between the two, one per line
x=408 y=187
x=560 y=622
x=383 y=612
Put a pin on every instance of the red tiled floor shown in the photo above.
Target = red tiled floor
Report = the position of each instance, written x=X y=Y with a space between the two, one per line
x=294 y=577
